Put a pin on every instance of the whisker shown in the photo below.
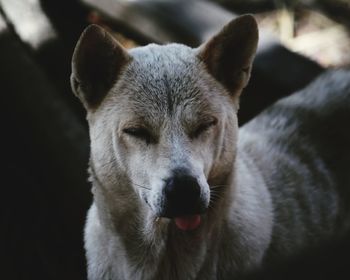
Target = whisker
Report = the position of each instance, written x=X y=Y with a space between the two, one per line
x=103 y=165
x=147 y=188
x=217 y=186
x=93 y=171
x=107 y=163
x=215 y=195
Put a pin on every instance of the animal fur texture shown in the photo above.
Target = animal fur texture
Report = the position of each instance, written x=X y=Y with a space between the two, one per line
x=276 y=186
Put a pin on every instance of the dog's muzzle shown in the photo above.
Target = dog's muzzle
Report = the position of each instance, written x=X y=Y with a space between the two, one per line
x=182 y=196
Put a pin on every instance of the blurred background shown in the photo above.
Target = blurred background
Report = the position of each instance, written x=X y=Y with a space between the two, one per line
x=45 y=144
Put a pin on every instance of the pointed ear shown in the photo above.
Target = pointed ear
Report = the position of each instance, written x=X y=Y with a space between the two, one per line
x=97 y=61
x=228 y=55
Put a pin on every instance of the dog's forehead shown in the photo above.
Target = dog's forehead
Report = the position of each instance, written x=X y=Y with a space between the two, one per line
x=163 y=57
x=165 y=78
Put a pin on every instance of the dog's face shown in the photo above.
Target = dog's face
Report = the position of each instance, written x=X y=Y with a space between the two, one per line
x=163 y=118
x=167 y=128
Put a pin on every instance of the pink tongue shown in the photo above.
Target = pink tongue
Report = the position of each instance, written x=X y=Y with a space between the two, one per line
x=188 y=222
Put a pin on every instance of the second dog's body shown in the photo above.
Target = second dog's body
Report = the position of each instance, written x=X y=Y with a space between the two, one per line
x=300 y=145
x=178 y=192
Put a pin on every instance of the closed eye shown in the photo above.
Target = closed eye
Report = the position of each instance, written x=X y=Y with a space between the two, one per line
x=203 y=127
x=139 y=133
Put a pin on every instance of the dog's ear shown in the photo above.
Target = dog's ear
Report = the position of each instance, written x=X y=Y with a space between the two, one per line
x=97 y=60
x=228 y=56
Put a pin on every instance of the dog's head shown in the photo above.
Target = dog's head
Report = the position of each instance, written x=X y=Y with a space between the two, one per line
x=163 y=119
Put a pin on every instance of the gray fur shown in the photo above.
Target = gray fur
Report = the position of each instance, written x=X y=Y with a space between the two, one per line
x=282 y=179
x=301 y=146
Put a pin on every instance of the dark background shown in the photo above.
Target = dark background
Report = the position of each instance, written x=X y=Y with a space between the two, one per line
x=45 y=145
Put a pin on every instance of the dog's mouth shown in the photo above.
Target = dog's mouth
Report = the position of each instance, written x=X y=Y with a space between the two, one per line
x=187 y=223
x=185 y=219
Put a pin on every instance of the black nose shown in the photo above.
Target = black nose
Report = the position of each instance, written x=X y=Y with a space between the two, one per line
x=182 y=195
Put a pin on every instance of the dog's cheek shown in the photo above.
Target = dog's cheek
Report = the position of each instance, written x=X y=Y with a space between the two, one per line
x=136 y=162
x=203 y=154
x=142 y=165
x=222 y=151
x=127 y=156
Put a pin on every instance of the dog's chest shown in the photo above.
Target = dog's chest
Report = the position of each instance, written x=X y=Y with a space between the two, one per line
x=176 y=257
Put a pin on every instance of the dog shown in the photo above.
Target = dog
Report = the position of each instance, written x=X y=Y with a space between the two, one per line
x=180 y=192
